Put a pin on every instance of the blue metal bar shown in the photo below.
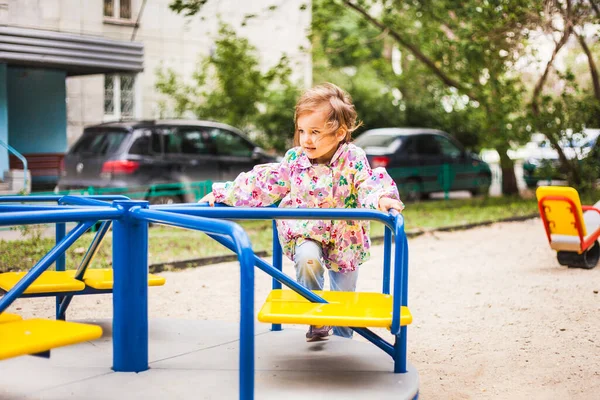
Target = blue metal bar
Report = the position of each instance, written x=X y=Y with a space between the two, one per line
x=403 y=339
x=63 y=305
x=130 y=290
x=82 y=201
x=55 y=198
x=274 y=273
x=277 y=264
x=60 y=233
x=238 y=213
x=399 y=355
x=20 y=157
x=376 y=340
x=404 y=270
x=246 y=321
x=243 y=249
x=387 y=251
x=393 y=220
x=43 y=264
x=32 y=207
x=42 y=217
x=399 y=274
x=307 y=294
x=92 y=250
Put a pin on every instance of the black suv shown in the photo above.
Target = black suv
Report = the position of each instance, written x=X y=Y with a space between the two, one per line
x=145 y=153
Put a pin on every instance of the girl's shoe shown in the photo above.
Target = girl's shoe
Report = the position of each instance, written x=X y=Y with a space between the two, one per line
x=318 y=333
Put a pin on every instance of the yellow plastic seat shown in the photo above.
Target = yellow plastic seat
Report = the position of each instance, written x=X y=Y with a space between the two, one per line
x=8 y=317
x=39 y=335
x=355 y=309
x=559 y=218
x=47 y=282
x=64 y=281
x=103 y=278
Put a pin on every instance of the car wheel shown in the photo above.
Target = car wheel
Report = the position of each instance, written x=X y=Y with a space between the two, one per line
x=531 y=183
x=412 y=191
x=164 y=199
x=483 y=185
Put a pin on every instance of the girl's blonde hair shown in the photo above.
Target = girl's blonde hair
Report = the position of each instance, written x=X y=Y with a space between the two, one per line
x=341 y=113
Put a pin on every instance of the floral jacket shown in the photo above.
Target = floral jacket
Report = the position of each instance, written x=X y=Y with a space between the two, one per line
x=346 y=182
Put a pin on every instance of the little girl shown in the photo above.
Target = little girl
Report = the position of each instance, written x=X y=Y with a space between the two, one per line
x=324 y=170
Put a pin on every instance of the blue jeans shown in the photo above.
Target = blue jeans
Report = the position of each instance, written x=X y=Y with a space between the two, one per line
x=308 y=261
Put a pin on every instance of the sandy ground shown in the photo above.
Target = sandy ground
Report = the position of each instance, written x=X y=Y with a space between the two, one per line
x=495 y=316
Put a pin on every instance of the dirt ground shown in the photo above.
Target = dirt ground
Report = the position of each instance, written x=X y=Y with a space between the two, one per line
x=495 y=316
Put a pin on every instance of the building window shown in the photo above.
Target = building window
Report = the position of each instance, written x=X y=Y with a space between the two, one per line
x=119 y=96
x=117 y=9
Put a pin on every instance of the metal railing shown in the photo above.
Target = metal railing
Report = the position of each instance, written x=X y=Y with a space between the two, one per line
x=130 y=265
x=20 y=157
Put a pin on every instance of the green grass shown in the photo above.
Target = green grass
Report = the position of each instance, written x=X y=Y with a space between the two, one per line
x=172 y=244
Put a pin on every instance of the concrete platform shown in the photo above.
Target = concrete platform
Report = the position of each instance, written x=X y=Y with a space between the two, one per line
x=199 y=360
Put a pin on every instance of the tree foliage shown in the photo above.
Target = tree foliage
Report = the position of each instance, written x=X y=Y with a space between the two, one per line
x=228 y=86
x=462 y=66
x=561 y=113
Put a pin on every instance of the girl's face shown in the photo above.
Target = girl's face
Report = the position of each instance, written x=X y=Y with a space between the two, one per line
x=318 y=145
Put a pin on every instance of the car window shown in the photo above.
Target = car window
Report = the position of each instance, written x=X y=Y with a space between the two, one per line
x=426 y=145
x=196 y=141
x=99 y=142
x=448 y=148
x=172 y=141
x=147 y=142
x=375 y=141
x=230 y=144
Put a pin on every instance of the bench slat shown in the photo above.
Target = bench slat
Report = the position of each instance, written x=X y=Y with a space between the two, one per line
x=103 y=278
x=52 y=282
x=41 y=335
x=8 y=317
x=48 y=282
x=355 y=309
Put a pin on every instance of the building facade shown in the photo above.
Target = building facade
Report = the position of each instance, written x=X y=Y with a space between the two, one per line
x=164 y=40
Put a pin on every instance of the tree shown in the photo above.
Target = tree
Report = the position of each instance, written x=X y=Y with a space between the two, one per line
x=472 y=51
x=387 y=90
x=558 y=114
x=229 y=86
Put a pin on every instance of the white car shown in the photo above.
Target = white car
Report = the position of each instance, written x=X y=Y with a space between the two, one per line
x=539 y=148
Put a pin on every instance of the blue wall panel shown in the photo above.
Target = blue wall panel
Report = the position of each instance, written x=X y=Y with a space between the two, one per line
x=3 y=120
x=37 y=114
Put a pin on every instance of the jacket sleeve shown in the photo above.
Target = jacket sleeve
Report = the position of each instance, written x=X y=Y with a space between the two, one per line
x=372 y=184
x=266 y=184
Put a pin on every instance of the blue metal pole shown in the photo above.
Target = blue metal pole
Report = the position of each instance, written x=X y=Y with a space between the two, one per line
x=403 y=339
x=400 y=353
x=130 y=290
x=247 y=324
x=42 y=265
x=400 y=265
x=387 y=251
x=307 y=294
x=85 y=262
x=61 y=231
x=277 y=264
x=400 y=297
x=243 y=248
